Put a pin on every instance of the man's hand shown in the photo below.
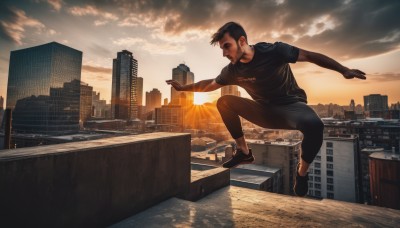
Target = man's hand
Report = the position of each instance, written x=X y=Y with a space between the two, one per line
x=175 y=84
x=353 y=73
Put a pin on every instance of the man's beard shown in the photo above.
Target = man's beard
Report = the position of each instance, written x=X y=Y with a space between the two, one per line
x=239 y=53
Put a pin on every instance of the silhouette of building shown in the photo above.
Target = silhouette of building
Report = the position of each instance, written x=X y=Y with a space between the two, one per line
x=100 y=108
x=183 y=75
x=1 y=103
x=153 y=100
x=352 y=105
x=140 y=91
x=1 y=110
x=376 y=102
x=230 y=90
x=86 y=102
x=169 y=117
x=44 y=88
x=376 y=106
x=124 y=99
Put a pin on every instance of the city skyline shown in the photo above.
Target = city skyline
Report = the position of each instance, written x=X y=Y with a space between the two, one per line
x=358 y=34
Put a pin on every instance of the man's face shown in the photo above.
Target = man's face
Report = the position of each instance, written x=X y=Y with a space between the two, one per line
x=230 y=48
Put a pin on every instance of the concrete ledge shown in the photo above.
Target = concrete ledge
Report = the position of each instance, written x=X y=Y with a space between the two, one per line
x=241 y=207
x=94 y=183
x=205 y=182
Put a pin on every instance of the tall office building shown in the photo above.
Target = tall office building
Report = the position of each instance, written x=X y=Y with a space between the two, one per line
x=86 y=102
x=230 y=90
x=1 y=110
x=153 y=100
x=334 y=174
x=1 y=103
x=44 y=88
x=183 y=75
x=124 y=100
x=376 y=102
x=139 y=91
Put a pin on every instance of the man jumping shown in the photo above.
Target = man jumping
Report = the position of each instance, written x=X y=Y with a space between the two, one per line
x=278 y=102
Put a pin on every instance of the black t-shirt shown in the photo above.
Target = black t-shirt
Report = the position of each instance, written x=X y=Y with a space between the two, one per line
x=267 y=77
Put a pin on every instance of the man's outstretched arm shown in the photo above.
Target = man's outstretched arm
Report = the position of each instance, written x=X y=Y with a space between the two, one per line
x=329 y=63
x=201 y=86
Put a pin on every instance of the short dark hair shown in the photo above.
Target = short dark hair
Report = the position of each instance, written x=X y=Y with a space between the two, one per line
x=234 y=29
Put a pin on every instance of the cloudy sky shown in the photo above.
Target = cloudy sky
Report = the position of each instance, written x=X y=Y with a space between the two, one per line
x=362 y=34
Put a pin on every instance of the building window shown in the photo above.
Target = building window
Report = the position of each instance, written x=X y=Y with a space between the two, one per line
x=329 y=187
x=317 y=172
x=329 y=173
x=317 y=158
x=317 y=193
x=317 y=165
x=317 y=186
x=329 y=166
x=317 y=179
x=311 y=171
x=310 y=185
x=311 y=178
x=329 y=180
x=330 y=195
x=329 y=158
x=329 y=144
x=329 y=151
x=310 y=192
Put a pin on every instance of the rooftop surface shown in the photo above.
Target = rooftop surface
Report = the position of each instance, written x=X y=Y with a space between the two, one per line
x=385 y=156
x=240 y=207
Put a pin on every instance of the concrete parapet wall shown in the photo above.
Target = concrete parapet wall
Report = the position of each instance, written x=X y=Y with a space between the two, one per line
x=206 y=182
x=92 y=183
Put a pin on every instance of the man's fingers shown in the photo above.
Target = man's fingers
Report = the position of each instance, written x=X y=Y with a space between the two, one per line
x=359 y=71
x=361 y=77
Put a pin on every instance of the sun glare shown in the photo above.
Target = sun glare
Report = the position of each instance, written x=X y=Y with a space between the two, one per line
x=200 y=98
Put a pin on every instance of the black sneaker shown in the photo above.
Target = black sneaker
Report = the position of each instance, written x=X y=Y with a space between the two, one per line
x=239 y=158
x=301 y=183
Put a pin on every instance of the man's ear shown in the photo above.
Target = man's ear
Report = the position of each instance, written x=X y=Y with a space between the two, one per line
x=242 y=41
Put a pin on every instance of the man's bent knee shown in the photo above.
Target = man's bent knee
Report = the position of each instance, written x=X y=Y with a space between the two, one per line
x=225 y=101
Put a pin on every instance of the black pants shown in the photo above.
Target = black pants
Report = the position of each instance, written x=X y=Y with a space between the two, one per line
x=295 y=116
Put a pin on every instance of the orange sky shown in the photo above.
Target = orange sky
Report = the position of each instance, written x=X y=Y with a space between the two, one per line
x=163 y=34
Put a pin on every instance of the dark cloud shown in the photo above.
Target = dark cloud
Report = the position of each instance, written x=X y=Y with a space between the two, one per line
x=6 y=15
x=361 y=28
x=14 y=22
x=96 y=69
x=341 y=29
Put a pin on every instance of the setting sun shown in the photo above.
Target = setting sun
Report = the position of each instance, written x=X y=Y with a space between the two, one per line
x=200 y=98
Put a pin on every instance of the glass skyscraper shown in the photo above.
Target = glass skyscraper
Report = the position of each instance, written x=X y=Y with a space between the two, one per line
x=184 y=76
x=124 y=99
x=44 y=89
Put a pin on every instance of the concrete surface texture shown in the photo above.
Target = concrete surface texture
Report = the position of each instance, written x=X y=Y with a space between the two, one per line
x=240 y=207
x=91 y=184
